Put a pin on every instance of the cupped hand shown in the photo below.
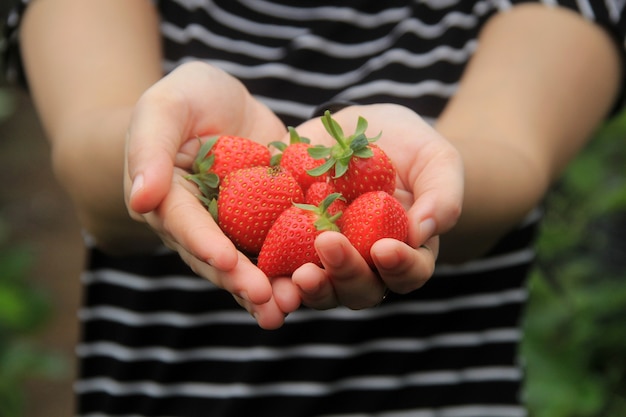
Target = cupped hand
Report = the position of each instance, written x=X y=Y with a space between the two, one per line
x=194 y=101
x=430 y=187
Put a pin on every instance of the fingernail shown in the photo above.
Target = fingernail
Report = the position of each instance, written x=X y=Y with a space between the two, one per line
x=387 y=261
x=427 y=228
x=334 y=257
x=137 y=184
x=311 y=290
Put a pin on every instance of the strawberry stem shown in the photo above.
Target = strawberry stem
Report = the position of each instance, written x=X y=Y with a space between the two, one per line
x=294 y=138
x=206 y=180
x=324 y=221
x=340 y=155
x=334 y=129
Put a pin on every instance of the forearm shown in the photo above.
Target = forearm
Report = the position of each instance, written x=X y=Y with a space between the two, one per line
x=92 y=173
x=539 y=84
x=87 y=64
x=501 y=188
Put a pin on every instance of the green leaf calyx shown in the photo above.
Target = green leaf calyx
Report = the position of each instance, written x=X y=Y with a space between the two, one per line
x=341 y=153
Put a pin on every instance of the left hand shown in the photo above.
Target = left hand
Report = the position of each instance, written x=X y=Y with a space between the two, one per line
x=430 y=187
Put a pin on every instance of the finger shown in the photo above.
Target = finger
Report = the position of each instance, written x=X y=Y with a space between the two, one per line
x=403 y=268
x=190 y=230
x=356 y=285
x=315 y=288
x=245 y=280
x=184 y=220
x=286 y=294
x=268 y=315
x=438 y=189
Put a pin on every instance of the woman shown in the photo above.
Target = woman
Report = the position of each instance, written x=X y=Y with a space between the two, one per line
x=481 y=105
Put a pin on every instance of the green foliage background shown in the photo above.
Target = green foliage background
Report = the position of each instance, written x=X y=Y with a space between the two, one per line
x=24 y=312
x=575 y=331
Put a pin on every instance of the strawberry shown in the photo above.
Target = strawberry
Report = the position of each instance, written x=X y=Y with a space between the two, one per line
x=296 y=159
x=356 y=164
x=373 y=216
x=249 y=202
x=220 y=155
x=318 y=191
x=290 y=241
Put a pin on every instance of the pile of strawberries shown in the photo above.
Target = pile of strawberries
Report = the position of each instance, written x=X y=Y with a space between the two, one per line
x=273 y=208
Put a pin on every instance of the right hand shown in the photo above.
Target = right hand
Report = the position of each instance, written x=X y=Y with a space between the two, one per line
x=196 y=100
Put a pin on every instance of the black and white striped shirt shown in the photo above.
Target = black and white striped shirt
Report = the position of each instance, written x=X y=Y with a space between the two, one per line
x=159 y=341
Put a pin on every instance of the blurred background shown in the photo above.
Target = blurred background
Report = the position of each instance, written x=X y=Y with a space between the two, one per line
x=574 y=348
x=575 y=331
x=40 y=263
x=41 y=258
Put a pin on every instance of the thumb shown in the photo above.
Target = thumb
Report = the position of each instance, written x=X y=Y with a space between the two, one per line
x=438 y=195
x=155 y=135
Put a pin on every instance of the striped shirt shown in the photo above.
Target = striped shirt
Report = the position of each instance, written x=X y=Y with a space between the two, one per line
x=159 y=341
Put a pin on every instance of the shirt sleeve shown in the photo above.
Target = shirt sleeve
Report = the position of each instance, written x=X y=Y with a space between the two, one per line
x=608 y=14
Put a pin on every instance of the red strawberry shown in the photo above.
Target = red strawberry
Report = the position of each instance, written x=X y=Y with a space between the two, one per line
x=318 y=191
x=373 y=216
x=220 y=155
x=290 y=241
x=296 y=159
x=367 y=174
x=249 y=202
x=355 y=164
